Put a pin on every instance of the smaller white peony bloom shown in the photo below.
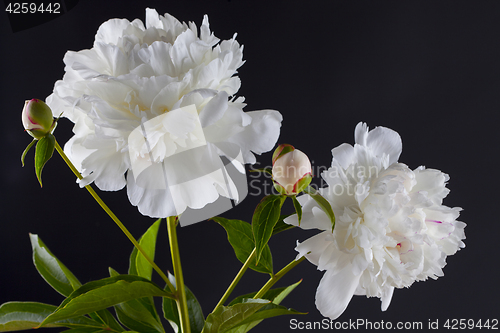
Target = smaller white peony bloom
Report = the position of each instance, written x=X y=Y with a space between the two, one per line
x=391 y=226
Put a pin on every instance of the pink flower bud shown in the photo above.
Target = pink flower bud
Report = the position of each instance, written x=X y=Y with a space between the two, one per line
x=292 y=171
x=37 y=118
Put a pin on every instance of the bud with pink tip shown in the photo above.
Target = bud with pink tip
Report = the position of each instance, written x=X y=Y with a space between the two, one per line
x=292 y=171
x=37 y=118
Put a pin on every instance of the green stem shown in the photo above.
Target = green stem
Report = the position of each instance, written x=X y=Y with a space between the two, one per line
x=236 y=280
x=113 y=217
x=276 y=277
x=179 y=279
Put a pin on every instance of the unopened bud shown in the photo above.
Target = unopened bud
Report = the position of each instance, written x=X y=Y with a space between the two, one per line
x=292 y=171
x=37 y=118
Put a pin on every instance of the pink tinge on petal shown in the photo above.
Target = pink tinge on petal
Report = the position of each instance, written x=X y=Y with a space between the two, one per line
x=441 y=229
x=35 y=125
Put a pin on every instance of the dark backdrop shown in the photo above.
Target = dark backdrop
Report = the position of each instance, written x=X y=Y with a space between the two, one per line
x=429 y=70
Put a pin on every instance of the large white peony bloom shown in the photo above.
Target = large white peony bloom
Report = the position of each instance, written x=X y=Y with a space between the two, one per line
x=391 y=227
x=174 y=90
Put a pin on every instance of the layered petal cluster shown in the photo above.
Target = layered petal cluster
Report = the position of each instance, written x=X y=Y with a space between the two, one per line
x=149 y=78
x=391 y=226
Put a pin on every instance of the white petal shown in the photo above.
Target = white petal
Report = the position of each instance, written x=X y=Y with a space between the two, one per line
x=261 y=135
x=313 y=247
x=313 y=217
x=154 y=55
x=153 y=19
x=433 y=182
x=335 y=291
x=156 y=203
x=382 y=140
x=386 y=297
x=343 y=154
x=360 y=133
x=214 y=109
x=113 y=57
x=108 y=168
x=110 y=31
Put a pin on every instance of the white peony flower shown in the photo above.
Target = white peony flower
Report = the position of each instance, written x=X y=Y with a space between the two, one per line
x=391 y=227
x=153 y=76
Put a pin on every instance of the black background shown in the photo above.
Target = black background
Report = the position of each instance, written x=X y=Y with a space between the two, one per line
x=429 y=70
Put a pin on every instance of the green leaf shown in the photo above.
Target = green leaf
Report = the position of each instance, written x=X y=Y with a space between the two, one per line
x=170 y=312
x=106 y=318
x=274 y=295
x=61 y=278
x=240 y=236
x=138 y=264
x=322 y=202
x=281 y=225
x=101 y=294
x=43 y=152
x=112 y=272
x=18 y=316
x=266 y=170
x=140 y=315
x=269 y=311
x=298 y=208
x=27 y=150
x=264 y=219
x=86 y=330
x=51 y=269
x=226 y=318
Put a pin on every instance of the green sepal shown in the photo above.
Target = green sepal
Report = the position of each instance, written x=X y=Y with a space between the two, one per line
x=298 y=208
x=282 y=150
x=51 y=269
x=279 y=188
x=240 y=236
x=264 y=219
x=27 y=150
x=18 y=316
x=302 y=183
x=195 y=312
x=102 y=294
x=43 y=152
x=138 y=264
x=322 y=203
